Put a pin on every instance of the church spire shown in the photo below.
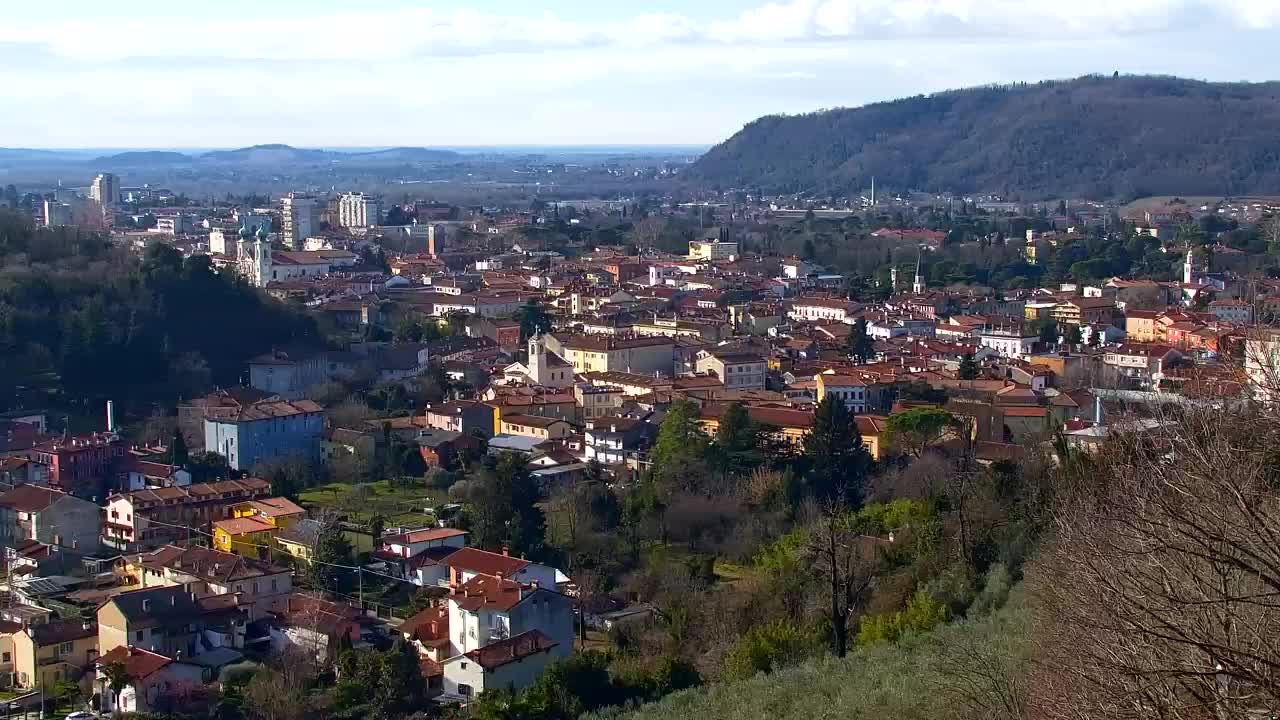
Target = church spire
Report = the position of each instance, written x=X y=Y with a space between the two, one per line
x=918 y=286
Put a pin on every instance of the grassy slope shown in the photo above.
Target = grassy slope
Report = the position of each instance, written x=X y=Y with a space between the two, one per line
x=884 y=682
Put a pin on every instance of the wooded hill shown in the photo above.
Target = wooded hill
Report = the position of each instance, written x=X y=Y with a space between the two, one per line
x=1098 y=137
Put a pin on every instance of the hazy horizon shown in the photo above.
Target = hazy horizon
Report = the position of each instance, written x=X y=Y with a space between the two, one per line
x=565 y=72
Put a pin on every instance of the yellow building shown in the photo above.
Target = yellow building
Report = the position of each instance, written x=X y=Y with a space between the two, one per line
x=253 y=525
x=533 y=426
x=51 y=653
x=875 y=434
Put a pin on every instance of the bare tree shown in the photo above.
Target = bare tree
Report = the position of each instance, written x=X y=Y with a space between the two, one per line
x=847 y=561
x=1160 y=593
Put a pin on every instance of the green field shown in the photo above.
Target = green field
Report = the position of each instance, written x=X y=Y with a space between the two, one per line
x=400 y=506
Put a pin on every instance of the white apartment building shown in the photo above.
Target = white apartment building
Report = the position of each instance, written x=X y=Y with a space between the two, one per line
x=299 y=219
x=105 y=190
x=1009 y=343
x=357 y=210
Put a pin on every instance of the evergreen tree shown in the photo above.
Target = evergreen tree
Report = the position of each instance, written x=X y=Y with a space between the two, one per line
x=332 y=548
x=837 y=461
x=505 y=508
x=859 y=344
x=738 y=440
x=533 y=320
x=680 y=444
x=178 y=450
x=968 y=367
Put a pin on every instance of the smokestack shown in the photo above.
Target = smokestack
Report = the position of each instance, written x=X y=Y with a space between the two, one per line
x=111 y=417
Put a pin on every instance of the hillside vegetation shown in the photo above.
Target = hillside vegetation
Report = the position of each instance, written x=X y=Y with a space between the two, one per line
x=921 y=677
x=1091 y=137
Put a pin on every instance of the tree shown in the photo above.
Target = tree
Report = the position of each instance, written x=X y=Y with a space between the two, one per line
x=505 y=509
x=917 y=429
x=737 y=440
x=1049 y=332
x=968 y=367
x=680 y=445
x=332 y=549
x=845 y=559
x=400 y=685
x=836 y=459
x=859 y=344
x=765 y=648
x=178 y=450
x=1074 y=336
x=533 y=320
x=118 y=678
x=207 y=466
x=1157 y=597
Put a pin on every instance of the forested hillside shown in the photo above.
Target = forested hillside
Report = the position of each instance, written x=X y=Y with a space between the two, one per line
x=1090 y=137
x=82 y=320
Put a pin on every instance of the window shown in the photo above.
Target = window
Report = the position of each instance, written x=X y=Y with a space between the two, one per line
x=464 y=690
x=66 y=648
x=138 y=635
x=6 y=658
x=463 y=665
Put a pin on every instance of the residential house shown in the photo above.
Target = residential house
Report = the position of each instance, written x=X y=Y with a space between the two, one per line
x=612 y=440
x=1143 y=364
x=821 y=309
x=45 y=515
x=783 y=424
x=266 y=431
x=54 y=652
x=145 y=519
x=169 y=620
x=588 y=353
x=299 y=540
x=1009 y=342
x=848 y=389
x=1232 y=311
x=595 y=401
x=738 y=370
x=442 y=448
x=1084 y=311
x=253 y=525
x=874 y=430
x=461 y=416
x=313 y=625
x=154 y=680
x=191 y=414
x=511 y=664
x=82 y=465
x=542 y=428
x=468 y=563
x=137 y=473
x=207 y=572
x=287 y=374
x=1140 y=325
x=418 y=555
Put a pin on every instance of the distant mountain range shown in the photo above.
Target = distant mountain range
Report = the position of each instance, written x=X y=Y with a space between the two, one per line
x=1090 y=137
x=276 y=154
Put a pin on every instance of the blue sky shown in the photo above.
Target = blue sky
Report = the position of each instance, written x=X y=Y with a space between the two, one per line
x=395 y=72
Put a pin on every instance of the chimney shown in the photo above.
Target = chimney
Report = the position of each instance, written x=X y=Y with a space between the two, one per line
x=506 y=549
x=111 y=417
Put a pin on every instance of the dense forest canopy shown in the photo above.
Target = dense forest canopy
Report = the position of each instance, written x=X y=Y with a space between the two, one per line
x=1091 y=137
x=82 y=321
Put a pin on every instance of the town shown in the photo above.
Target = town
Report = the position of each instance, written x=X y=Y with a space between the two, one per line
x=514 y=437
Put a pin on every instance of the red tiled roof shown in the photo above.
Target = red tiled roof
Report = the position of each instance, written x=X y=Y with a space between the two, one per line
x=137 y=662
x=30 y=498
x=500 y=653
x=423 y=535
x=483 y=562
x=489 y=592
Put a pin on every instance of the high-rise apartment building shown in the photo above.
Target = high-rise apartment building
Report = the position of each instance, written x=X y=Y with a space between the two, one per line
x=105 y=190
x=298 y=219
x=357 y=210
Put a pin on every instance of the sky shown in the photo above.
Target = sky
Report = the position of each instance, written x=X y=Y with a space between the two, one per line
x=149 y=74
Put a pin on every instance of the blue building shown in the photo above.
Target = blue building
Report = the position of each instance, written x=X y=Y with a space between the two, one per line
x=266 y=430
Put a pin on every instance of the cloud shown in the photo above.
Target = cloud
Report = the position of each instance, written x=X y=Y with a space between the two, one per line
x=389 y=34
